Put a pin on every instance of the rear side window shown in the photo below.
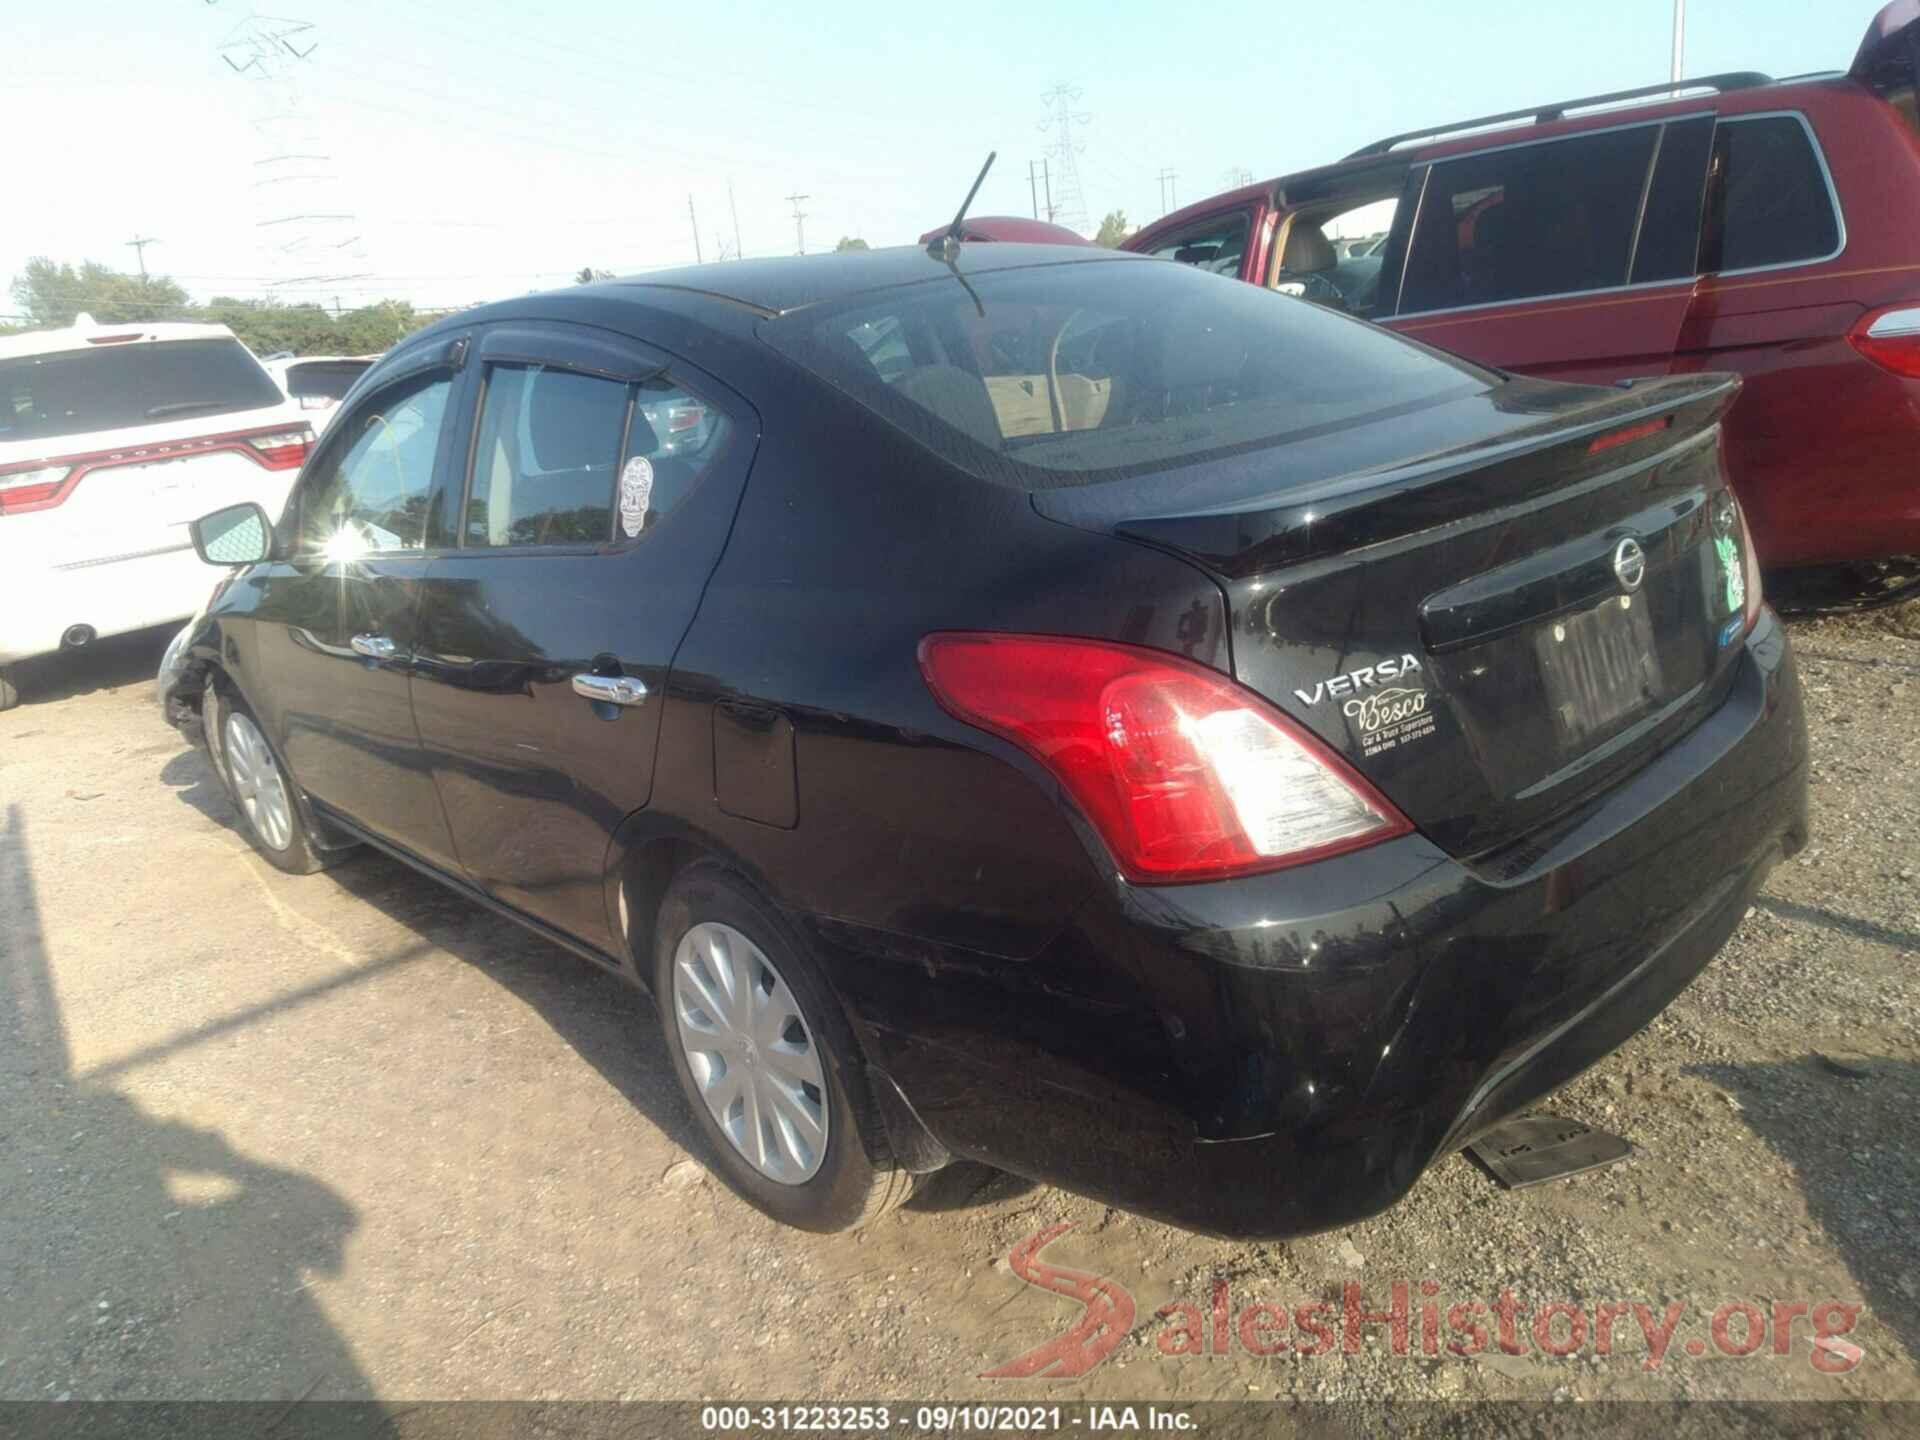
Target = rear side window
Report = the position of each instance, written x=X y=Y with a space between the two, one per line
x=1064 y=374
x=319 y=383
x=1216 y=246
x=1547 y=219
x=1769 y=194
x=563 y=458
x=136 y=382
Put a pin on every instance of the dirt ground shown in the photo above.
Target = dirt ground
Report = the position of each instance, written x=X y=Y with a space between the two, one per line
x=350 y=1137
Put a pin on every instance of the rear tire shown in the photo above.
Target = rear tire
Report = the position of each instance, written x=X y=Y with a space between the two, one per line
x=774 y=1079
x=9 y=688
x=260 y=788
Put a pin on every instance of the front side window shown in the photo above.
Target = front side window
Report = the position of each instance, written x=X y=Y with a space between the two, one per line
x=1547 y=219
x=1216 y=245
x=1771 y=195
x=563 y=458
x=373 y=497
x=1070 y=373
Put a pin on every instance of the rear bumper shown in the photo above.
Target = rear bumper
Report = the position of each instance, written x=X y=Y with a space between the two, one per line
x=1282 y=1054
x=40 y=603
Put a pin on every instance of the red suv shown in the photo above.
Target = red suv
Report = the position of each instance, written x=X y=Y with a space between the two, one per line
x=1769 y=227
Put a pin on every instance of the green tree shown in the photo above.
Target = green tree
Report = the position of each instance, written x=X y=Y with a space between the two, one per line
x=52 y=295
x=1112 y=230
x=267 y=327
x=851 y=242
x=588 y=275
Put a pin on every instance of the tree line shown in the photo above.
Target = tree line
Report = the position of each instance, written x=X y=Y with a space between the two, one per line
x=48 y=295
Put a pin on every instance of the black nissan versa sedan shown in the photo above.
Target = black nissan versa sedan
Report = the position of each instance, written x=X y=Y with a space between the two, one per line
x=1058 y=709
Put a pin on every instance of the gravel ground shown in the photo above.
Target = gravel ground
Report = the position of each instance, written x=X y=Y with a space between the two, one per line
x=349 y=1137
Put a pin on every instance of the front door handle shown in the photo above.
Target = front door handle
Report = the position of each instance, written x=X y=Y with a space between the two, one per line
x=374 y=647
x=613 y=689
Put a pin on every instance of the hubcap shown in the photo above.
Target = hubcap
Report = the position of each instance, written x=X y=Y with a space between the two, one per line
x=752 y=1056
x=256 y=780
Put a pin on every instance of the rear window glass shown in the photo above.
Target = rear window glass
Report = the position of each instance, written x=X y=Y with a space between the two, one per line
x=1064 y=374
x=324 y=382
x=1775 y=208
x=1549 y=219
x=137 y=382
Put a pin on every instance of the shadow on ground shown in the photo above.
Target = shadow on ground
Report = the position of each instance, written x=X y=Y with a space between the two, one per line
x=1847 y=1117
x=139 y=1257
x=104 y=665
x=612 y=1026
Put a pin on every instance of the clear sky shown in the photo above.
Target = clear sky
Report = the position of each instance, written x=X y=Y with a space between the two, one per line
x=486 y=147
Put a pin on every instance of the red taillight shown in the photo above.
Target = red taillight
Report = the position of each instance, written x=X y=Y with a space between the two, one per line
x=1750 y=561
x=34 y=486
x=114 y=339
x=282 y=449
x=1628 y=435
x=1890 y=338
x=684 y=417
x=1186 y=775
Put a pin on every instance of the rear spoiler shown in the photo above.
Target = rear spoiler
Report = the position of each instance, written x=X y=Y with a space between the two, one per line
x=1591 y=444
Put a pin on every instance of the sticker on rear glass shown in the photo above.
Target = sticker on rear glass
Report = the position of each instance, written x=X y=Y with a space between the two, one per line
x=636 y=494
x=1389 y=718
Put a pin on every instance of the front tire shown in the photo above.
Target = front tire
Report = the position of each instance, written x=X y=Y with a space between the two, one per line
x=9 y=688
x=767 y=1061
x=259 y=787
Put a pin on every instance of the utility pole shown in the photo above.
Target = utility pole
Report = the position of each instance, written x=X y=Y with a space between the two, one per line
x=1033 y=188
x=1679 y=38
x=799 y=222
x=694 y=219
x=738 y=253
x=1168 y=200
x=1046 y=184
x=139 y=245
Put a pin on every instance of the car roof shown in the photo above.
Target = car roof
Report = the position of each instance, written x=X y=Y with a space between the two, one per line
x=793 y=282
x=86 y=332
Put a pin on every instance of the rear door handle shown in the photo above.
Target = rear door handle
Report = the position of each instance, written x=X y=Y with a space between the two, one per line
x=614 y=689
x=374 y=647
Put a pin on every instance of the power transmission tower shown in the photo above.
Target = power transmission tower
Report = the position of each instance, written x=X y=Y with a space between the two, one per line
x=307 y=233
x=799 y=222
x=1239 y=176
x=1066 y=207
x=139 y=245
x=1168 y=201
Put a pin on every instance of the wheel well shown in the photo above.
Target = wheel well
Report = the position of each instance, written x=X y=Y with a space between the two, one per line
x=646 y=875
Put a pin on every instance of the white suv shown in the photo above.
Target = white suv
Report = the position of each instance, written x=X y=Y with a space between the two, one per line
x=113 y=437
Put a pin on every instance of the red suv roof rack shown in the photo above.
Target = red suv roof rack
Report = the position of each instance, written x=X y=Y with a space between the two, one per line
x=1541 y=114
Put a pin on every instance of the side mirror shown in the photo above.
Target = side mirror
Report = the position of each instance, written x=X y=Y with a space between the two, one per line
x=238 y=535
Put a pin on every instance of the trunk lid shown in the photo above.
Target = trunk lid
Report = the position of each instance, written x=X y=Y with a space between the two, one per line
x=1493 y=606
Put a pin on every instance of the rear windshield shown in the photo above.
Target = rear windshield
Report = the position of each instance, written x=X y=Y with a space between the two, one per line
x=324 y=380
x=138 y=382
x=1066 y=374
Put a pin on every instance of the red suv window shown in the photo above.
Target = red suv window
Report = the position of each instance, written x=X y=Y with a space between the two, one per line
x=1527 y=221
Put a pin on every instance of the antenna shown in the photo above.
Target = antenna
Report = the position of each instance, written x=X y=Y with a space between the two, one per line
x=947 y=247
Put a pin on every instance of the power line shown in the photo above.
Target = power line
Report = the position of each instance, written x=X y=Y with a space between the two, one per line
x=1065 y=205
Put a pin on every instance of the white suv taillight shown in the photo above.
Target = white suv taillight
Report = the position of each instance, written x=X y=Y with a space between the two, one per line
x=1186 y=775
x=34 y=486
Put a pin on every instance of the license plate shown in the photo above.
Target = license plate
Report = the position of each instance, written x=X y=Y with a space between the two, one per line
x=1600 y=667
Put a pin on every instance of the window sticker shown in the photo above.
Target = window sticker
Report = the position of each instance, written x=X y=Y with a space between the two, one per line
x=636 y=493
